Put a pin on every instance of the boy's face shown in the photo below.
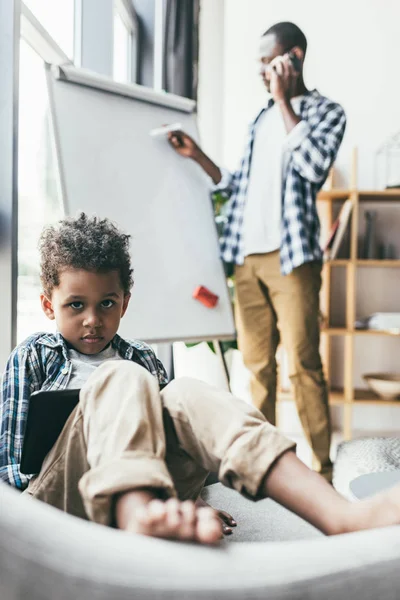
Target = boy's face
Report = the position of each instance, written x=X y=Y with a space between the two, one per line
x=87 y=308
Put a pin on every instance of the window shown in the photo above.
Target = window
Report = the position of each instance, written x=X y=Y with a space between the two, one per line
x=122 y=50
x=125 y=41
x=39 y=198
x=57 y=17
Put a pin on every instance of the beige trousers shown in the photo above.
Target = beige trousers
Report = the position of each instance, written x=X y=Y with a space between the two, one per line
x=124 y=434
x=272 y=307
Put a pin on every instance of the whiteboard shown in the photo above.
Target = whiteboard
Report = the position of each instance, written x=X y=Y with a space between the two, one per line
x=110 y=166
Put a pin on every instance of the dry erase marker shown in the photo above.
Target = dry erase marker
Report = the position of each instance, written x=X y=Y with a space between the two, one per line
x=165 y=129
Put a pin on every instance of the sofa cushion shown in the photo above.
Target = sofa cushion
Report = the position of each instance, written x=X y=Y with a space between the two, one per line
x=260 y=521
x=362 y=456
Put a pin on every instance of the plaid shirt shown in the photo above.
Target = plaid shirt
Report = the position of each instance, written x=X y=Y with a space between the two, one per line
x=41 y=363
x=311 y=148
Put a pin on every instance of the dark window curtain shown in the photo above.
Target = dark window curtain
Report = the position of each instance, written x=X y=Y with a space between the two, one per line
x=181 y=47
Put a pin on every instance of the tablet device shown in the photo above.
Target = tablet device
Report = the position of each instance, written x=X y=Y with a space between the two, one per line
x=47 y=414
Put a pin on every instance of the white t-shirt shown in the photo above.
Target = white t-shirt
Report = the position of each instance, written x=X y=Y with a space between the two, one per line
x=83 y=365
x=263 y=210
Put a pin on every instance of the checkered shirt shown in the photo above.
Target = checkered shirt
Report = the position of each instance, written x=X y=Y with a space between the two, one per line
x=41 y=363
x=311 y=148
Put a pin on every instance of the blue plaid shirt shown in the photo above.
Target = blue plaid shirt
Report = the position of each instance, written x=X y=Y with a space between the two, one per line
x=41 y=363
x=312 y=147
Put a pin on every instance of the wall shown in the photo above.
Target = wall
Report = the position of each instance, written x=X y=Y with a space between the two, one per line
x=353 y=58
x=211 y=90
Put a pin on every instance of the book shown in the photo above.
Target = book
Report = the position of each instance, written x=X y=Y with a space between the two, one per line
x=332 y=233
x=337 y=231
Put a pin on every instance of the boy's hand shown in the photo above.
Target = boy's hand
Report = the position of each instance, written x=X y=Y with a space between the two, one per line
x=227 y=521
x=184 y=144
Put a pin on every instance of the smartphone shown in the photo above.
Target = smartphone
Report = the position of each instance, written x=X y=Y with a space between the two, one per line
x=296 y=62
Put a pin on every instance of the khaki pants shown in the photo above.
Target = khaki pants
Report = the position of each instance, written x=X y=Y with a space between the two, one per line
x=125 y=434
x=271 y=307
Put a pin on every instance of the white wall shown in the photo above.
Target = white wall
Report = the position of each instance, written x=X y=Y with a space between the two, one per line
x=211 y=91
x=353 y=57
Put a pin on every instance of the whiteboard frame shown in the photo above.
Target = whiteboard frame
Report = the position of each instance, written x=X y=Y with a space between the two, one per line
x=87 y=78
x=131 y=90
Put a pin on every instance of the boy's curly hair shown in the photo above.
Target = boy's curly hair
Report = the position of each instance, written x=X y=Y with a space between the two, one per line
x=86 y=243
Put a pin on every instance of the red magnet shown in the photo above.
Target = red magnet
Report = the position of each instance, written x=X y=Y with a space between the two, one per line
x=203 y=295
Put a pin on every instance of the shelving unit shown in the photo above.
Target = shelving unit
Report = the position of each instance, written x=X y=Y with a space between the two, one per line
x=348 y=397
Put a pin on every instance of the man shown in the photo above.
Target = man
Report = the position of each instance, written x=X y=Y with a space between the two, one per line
x=272 y=232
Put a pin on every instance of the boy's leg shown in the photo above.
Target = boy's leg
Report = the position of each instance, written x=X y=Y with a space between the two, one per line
x=113 y=441
x=226 y=435
x=113 y=450
x=221 y=433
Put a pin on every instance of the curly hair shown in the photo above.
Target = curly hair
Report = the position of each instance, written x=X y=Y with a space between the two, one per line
x=86 y=243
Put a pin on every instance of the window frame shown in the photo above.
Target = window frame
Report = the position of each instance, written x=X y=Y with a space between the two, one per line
x=125 y=10
x=35 y=34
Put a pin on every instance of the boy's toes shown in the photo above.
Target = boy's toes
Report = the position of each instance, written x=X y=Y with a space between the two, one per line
x=189 y=518
x=208 y=528
x=156 y=513
x=173 y=518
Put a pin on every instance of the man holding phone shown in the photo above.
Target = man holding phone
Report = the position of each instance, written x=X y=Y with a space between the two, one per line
x=272 y=232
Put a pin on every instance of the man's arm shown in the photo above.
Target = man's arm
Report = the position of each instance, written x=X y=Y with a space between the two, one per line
x=187 y=147
x=14 y=400
x=284 y=82
x=313 y=149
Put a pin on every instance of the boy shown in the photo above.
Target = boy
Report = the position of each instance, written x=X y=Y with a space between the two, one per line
x=130 y=455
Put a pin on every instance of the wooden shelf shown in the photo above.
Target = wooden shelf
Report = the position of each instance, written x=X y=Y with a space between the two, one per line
x=336 y=398
x=390 y=332
x=367 y=397
x=351 y=265
x=378 y=263
x=336 y=331
x=345 y=331
x=363 y=262
x=339 y=262
x=379 y=195
x=332 y=195
x=363 y=195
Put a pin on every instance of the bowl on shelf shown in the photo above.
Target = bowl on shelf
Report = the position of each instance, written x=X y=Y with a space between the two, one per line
x=385 y=385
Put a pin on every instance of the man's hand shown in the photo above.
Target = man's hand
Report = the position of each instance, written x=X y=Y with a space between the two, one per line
x=187 y=147
x=227 y=521
x=283 y=78
x=184 y=144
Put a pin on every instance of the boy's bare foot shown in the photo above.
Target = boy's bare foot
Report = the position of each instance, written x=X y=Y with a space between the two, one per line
x=140 y=512
x=382 y=510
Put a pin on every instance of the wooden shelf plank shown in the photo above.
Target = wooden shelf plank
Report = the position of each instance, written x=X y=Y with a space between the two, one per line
x=378 y=263
x=363 y=195
x=339 y=262
x=344 y=331
x=332 y=195
x=336 y=397
x=367 y=397
x=389 y=332
x=363 y=262
x=362 y=397
x=335 y=331
x=379 y=195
